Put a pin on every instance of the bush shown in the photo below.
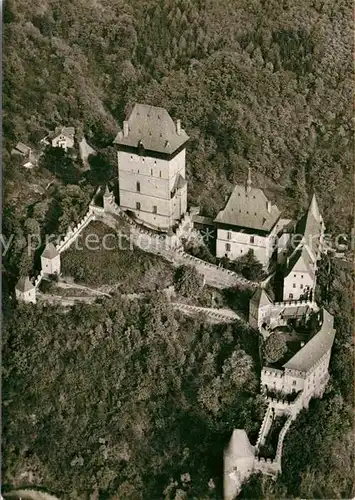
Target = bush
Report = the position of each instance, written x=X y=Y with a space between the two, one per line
x=188 y=281
x=247 y=265
x=275 y=347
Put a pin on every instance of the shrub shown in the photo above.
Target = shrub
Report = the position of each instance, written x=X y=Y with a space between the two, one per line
x=187 y=281
x=275 y=347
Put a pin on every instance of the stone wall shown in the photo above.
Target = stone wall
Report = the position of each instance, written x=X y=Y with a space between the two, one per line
x=282 y=435
x=271 y=314
x=38 y=278
x=265 y=427
x=73 y=232
x=218 y=315
x=215 y=275
x=169 y=246
x=267 y=466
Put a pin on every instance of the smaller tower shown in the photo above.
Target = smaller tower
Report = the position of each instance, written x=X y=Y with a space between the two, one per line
x=25 y=290
x=50 y=260
x=108 y=199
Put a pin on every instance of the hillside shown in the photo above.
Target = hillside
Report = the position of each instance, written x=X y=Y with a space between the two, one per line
x=255 y=83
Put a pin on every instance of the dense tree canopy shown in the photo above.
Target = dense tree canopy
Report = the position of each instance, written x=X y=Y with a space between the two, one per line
x=258 y=84
x=122 y=395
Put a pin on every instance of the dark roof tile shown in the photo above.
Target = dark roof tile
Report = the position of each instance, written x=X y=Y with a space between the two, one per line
x=154 y=128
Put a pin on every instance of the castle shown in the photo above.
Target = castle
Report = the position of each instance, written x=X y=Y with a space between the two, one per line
x=151 y=153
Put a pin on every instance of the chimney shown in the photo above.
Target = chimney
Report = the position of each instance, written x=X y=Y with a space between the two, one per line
x=125 y=128
x=178 y=127
x=268 y=206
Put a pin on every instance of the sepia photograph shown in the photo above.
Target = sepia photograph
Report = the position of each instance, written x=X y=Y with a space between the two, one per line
x=177 y=250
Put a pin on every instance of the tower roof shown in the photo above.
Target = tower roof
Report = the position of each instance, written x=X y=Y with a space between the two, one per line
x=310 y=227
x=239 y=446
x=50 y=251
x=24 y=284
x=261 y=298
x=107 y=192
x=249 y=208
x=153 y=128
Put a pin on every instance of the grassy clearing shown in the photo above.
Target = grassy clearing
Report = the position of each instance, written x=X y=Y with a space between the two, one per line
x=96 y=264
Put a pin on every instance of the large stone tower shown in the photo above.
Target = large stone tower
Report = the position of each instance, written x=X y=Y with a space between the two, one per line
x=151 y=166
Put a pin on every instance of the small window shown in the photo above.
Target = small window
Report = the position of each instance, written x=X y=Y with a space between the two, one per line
x=301 y=276
x=151 y=171
x=294 y=285
x=138 y=187
x=143 y=160
x=159 y=173
x=294 y=382
x=290 y=295
x=229 y=235
x=301 y=286
x=155 y=162
x=252 y=239
x=155 y=209
x=228 y=247
x=138 y=205
x=294 y=276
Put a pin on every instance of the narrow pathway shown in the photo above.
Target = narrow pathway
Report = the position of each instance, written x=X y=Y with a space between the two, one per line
x=217 y=315
x=222 y=315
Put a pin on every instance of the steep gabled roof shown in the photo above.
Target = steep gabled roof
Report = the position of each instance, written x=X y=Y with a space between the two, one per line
x=310 y=227
x=24 y=284
x=261 y=298
x=68 y=132
x=23 y=148
x=154 y=128
x=249 y=209
x=239 y=446
x=301 y=261
x=50 y=251
x=179 y=183
x=315 y=348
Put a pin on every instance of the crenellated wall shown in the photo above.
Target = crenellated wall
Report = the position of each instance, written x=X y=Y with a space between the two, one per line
x=267 y=466
x=73 y=232
x=265 y=427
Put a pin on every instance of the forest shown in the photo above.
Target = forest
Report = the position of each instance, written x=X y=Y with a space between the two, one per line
x=123 y=398
x=256 y=83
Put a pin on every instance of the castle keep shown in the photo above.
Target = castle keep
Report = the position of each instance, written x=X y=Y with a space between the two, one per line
x=151 y=167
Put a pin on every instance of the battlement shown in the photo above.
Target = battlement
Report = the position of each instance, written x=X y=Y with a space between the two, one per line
x=303 y=302
x=274 y=372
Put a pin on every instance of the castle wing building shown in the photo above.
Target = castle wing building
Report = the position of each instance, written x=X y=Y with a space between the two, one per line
x=248 y=222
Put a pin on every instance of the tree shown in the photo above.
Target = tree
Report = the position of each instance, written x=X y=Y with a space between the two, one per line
x=188 y=281
x=275 y=347
x=247 y=265
x=60 y=163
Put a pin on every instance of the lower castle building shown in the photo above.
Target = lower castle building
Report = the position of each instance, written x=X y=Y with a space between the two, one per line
x=287 y=390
